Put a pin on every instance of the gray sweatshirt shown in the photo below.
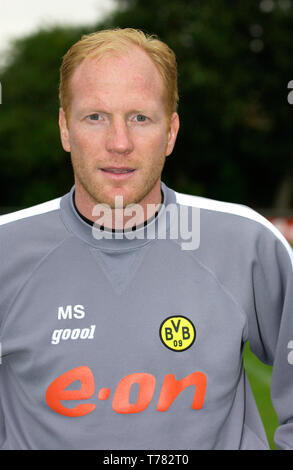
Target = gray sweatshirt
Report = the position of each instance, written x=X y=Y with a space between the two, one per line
x=134 y=340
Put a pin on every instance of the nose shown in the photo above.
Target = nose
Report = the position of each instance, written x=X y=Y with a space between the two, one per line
x=118 y=139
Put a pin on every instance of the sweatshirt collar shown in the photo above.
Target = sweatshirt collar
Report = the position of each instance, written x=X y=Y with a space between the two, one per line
x=116 y=240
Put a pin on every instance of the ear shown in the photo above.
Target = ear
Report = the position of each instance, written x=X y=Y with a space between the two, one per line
x=64 y=133
x=172 y=133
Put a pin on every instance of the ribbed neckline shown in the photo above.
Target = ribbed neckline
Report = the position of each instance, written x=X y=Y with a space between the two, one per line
x=118 y=240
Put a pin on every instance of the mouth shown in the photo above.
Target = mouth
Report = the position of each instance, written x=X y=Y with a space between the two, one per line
x=118 y=173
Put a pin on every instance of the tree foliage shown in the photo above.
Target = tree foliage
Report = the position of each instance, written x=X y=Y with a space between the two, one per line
x=234 y=61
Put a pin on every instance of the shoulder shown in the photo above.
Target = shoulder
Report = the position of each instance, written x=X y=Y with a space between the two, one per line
x=236 y=222
x=28 y=213
x=27 y=237
x=37 y=225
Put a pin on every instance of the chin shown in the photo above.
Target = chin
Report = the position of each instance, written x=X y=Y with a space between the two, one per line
x=110 y=200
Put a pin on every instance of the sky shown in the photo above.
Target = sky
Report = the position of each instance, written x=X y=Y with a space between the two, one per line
x=21 y=17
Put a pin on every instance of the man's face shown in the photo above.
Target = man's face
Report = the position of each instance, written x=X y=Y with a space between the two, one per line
x=117 y=132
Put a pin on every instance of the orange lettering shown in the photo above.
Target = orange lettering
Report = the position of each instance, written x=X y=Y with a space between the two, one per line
x=172 y=387
x=147 y=384
x=56 y=392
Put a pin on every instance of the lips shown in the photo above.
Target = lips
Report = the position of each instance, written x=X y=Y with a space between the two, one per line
x=118 y=174
x=118 y=171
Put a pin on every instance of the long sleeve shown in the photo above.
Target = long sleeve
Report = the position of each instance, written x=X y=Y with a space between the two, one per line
x=2 y=423
x=271 y=329
x=282 y=381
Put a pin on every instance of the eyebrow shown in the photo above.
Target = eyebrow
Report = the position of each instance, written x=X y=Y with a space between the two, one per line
x=97 y=110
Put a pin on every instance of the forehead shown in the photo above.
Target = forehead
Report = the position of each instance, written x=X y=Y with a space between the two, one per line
x=129 y=74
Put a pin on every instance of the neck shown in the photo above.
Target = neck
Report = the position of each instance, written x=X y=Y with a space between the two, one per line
x=118 y=218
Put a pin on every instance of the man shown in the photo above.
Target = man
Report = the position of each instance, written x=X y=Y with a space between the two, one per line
x=125 y=306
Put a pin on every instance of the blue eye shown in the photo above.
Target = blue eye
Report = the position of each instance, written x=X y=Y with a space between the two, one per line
x=141 y=118
x=94 y=117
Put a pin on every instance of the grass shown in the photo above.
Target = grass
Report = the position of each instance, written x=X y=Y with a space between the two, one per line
x=259 y=376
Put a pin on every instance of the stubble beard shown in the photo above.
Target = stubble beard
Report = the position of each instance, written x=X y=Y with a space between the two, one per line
x=97 y=196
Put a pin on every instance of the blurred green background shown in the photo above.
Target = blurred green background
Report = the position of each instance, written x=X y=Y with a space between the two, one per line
x=235 y=63
x=235 y=141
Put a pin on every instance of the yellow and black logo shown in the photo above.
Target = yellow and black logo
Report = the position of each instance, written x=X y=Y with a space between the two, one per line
x=177 y=333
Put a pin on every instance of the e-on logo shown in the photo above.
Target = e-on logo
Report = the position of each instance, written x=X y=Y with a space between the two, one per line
x=177 y=333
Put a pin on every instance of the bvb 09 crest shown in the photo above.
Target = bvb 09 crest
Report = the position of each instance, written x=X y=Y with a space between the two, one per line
x=177 y=333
